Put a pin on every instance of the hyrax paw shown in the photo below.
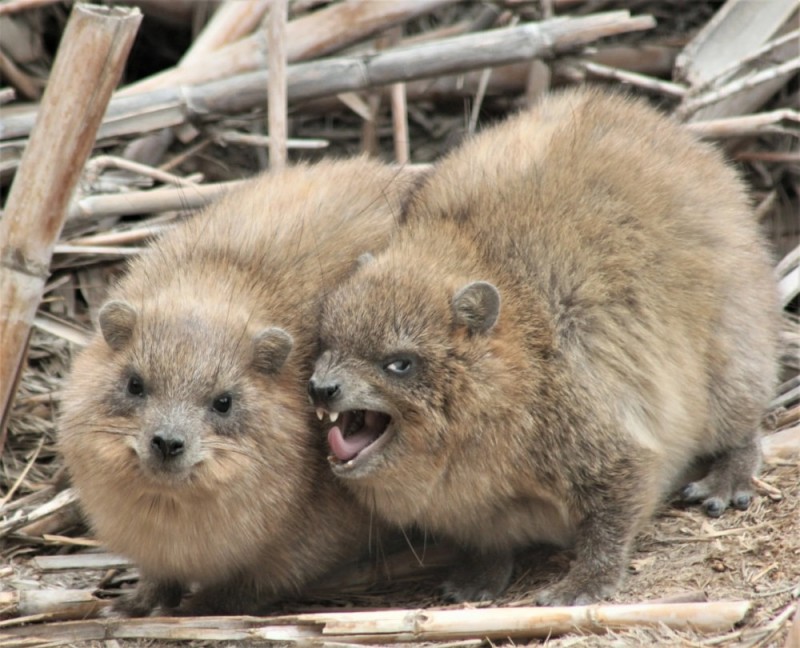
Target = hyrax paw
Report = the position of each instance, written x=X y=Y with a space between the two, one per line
x=569 y=592
x=479 y=578
x=130 y=605
x=453 y=593
x=715 y=497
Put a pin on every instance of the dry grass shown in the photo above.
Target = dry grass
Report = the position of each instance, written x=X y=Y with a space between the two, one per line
x=752 y=555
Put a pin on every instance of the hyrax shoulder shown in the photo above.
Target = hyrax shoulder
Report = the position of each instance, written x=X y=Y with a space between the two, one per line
x=186 y=426
x=579 y=307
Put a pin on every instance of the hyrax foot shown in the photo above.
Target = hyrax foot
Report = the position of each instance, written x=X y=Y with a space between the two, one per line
x=602 y=545
x=576 y=591
x=729 y=481
x=237 y=596
x=147 y=596
x=479 y=577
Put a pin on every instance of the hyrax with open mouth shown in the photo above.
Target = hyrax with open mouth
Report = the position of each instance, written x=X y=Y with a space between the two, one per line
x=578 y=308
x=186 y=428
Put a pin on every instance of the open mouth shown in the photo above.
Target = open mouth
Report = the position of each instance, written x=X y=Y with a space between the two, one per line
x=355 y=433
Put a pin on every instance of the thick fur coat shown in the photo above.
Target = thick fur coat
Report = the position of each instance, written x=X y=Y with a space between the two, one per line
x=579 y=308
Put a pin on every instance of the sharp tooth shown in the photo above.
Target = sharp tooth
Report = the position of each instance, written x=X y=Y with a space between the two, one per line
x=334 y=416
x=320 y=413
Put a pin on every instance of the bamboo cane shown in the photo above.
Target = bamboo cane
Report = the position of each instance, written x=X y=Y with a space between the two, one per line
x=92 y=54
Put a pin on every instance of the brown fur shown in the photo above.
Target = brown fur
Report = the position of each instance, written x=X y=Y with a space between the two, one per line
x=635 y=333
x=247 y=509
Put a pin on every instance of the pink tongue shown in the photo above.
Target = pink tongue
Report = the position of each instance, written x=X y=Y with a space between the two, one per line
x=347 y=448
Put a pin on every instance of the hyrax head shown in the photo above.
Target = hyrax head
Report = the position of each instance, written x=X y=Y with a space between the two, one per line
x=178 y=396
x=400 y=347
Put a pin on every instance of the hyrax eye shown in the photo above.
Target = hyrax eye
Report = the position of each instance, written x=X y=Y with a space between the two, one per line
x=222 y=403
x=399 y=366
x=135 y=386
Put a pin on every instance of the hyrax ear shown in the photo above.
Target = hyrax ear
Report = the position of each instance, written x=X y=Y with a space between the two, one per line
x=477 y=306
x=117 y=319
x=272 y=347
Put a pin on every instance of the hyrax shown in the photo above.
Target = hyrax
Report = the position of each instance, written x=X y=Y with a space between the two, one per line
x=186 y=426
x=578 y=307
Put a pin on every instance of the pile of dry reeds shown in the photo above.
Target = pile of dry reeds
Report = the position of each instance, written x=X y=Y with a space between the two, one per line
x=211 y=92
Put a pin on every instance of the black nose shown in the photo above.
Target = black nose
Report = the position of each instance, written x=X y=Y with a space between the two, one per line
x=166 y=446
x=322 y=392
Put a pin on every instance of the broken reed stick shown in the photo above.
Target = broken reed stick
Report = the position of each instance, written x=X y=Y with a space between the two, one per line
x=328 y=77
x=652 y=60
x=65 y=498
x=634 y=79
x=12 y=6
x=723 y=39
x=397 y=92
x=396 y=626
x=758 y=124
x=770 y=79
x=316 y=34
x=722 y=64
x=145 y=202
x=277 y=104
x=92 y=54
x=58 y=604
x=783 y=445
x=160 y=200
x=231 y=21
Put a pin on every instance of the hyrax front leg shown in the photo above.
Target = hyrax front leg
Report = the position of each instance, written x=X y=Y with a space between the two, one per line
x=479 y=576
x=148 y=595
x=603 y=541
x=602 y=551
x=236 y=595
x=729 y=480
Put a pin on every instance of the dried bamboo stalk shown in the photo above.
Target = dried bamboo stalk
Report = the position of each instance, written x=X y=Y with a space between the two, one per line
x=82 y=561
x=724 y=39
x=55 y=603
x=758 y=124
x=328 y=77
x=782 y=445
x=16 y=77
x=402 y=154
x=632 y=78
x=397 y=93
x=277 y=109
x=724 y=62
x=144 y=202
x=449 y=56
x=12 y=6
x=231 y=21
x=310 y=36
x=521 y=623
x=65 y=498
x=7 y=95
x=651 y=60
x=92 y=54
x=160 y=200
x=773 y=78
x=394 y=626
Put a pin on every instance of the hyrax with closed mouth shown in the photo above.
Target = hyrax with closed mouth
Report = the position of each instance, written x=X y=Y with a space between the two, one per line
x=186 y=428
x=578 y=307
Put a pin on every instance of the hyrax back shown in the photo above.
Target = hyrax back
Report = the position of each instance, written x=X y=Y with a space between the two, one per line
x=186 y=426
x=579 y=307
